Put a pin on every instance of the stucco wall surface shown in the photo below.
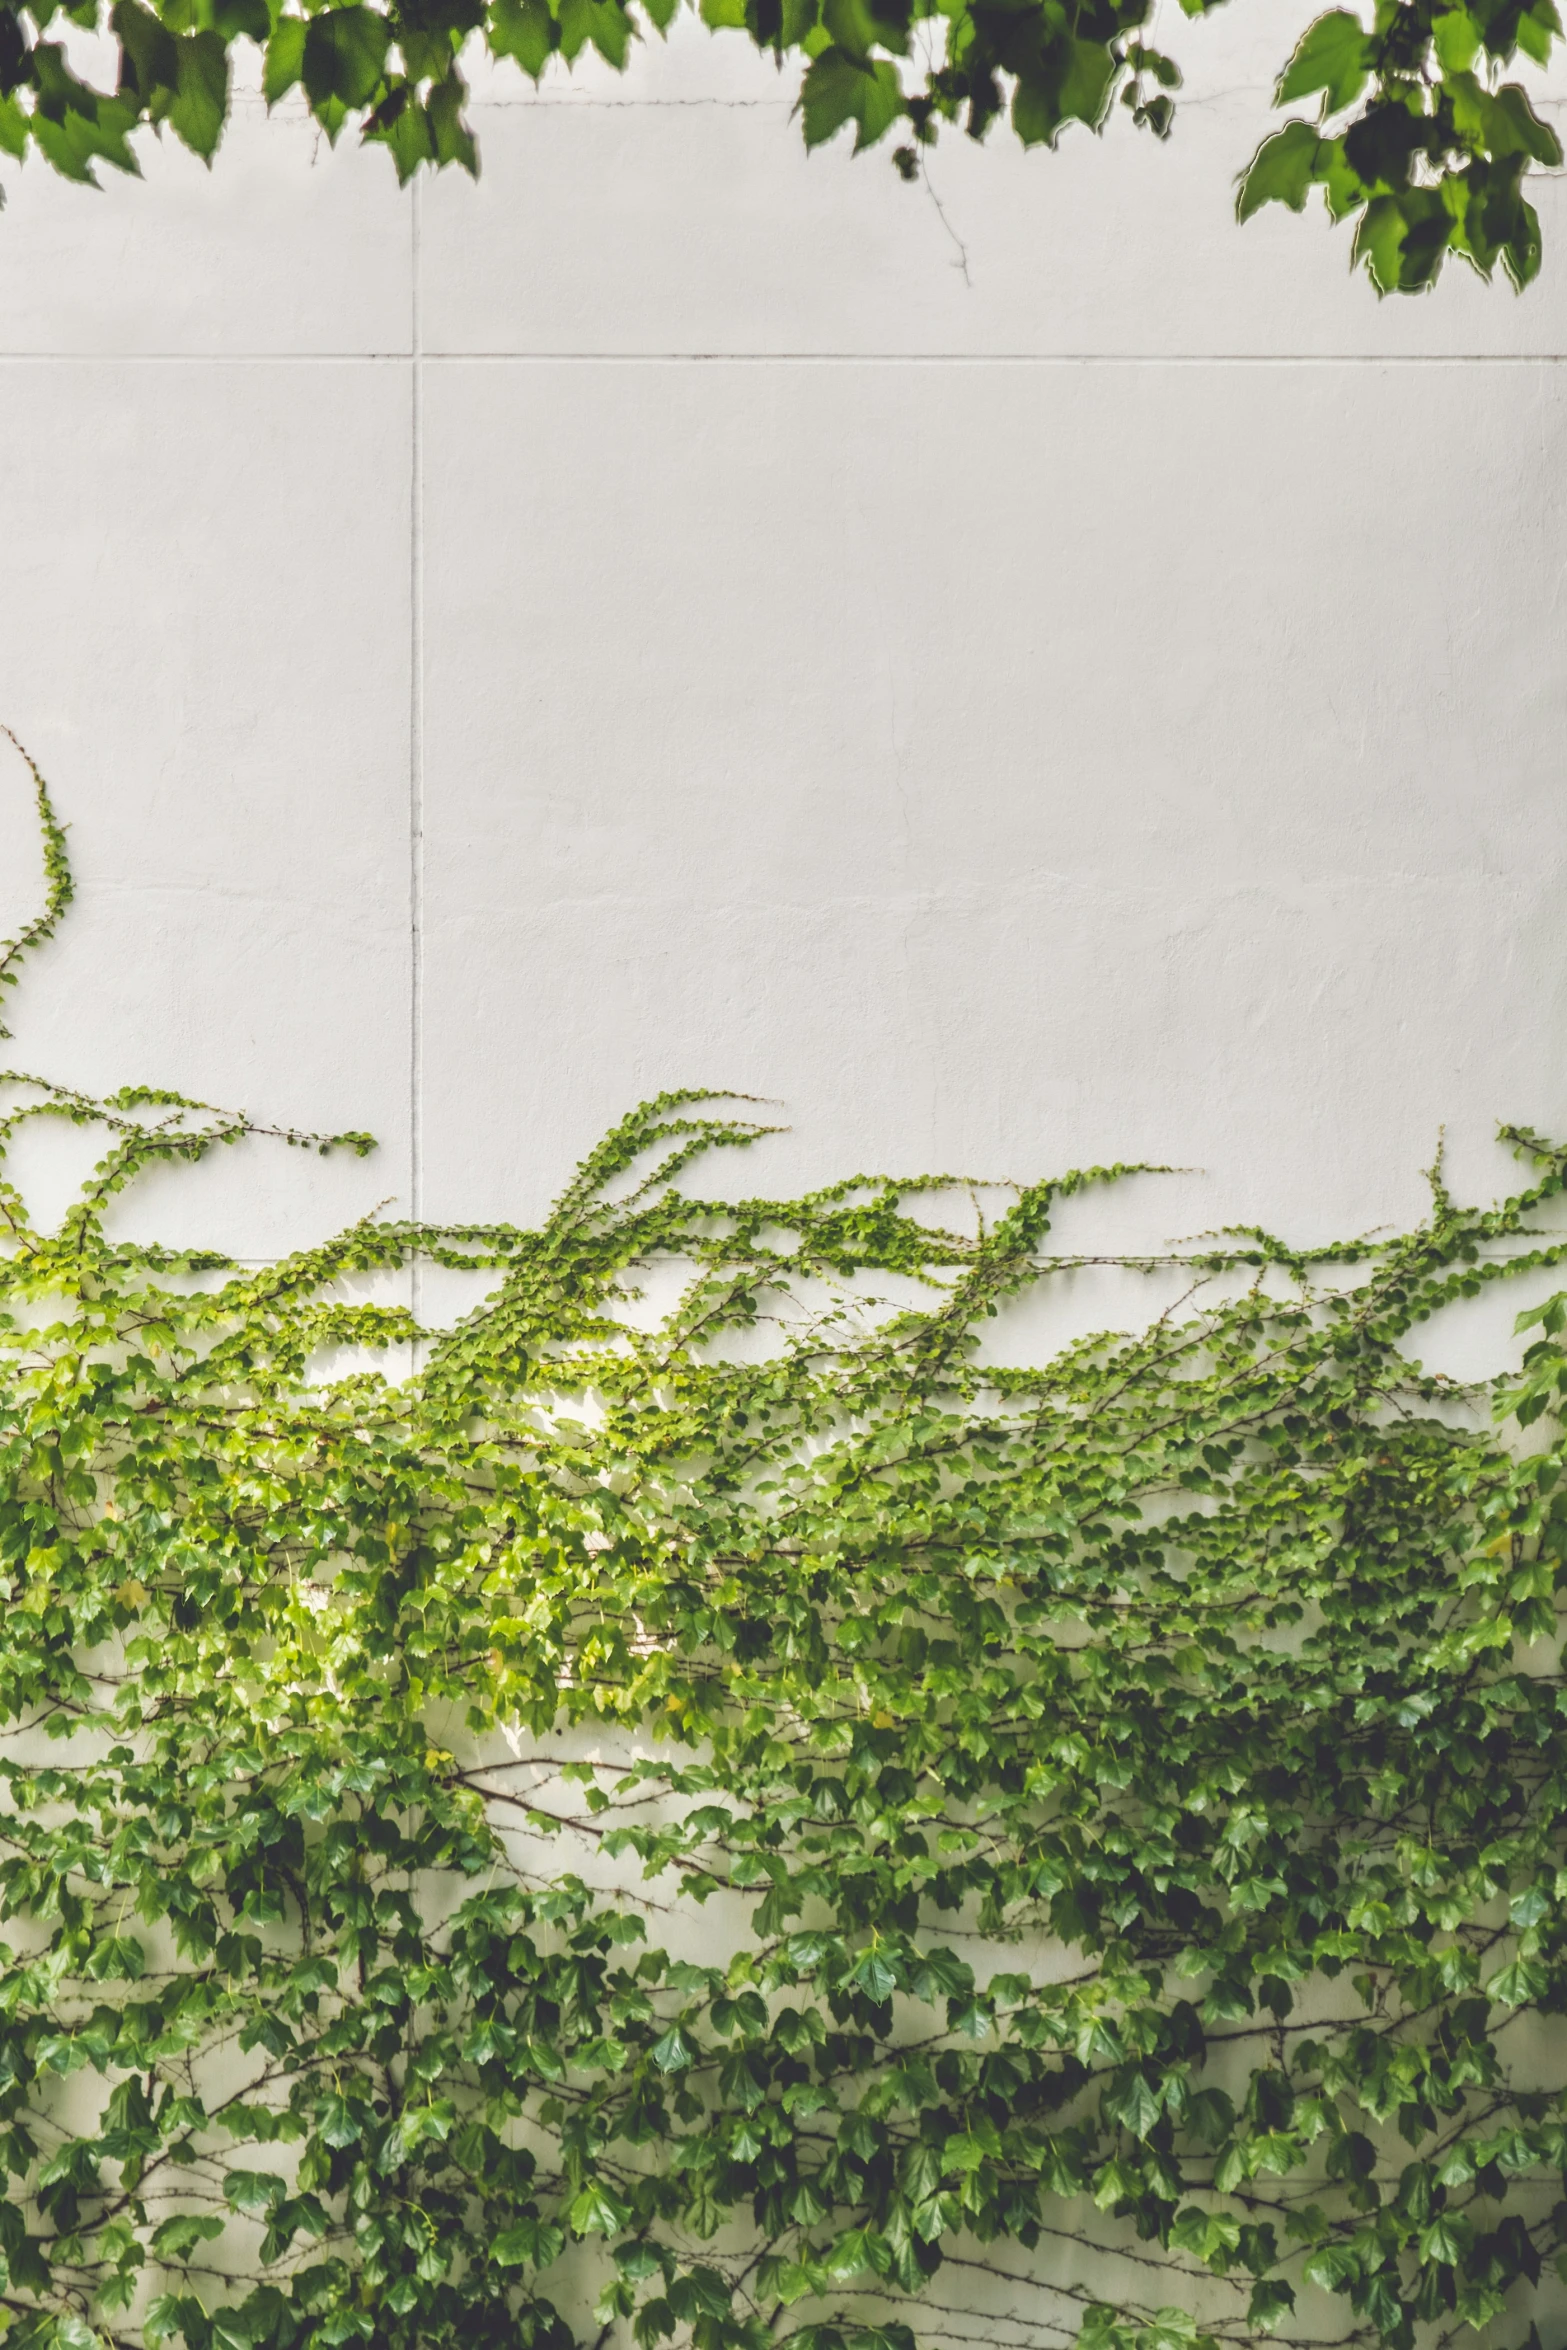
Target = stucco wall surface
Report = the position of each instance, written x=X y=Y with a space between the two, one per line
x=1026 y=674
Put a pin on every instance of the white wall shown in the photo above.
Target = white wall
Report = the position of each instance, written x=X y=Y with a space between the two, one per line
x=651 y=620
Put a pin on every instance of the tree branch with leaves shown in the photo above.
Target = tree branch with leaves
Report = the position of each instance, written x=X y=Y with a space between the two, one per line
x=1414 y=135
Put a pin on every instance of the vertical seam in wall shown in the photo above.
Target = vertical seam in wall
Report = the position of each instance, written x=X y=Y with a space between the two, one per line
x=415 y=739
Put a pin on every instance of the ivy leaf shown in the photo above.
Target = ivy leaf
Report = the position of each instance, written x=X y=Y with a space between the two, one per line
x=200 y=105
x=526 y=30
x=1539 y=28
x=876 y=1975
x=338 y=2122
x=527 y=2243
x=837 y=89
x=1282 y=171
x=604 y=23
x=285 y=58
x=73 y=2333
x=1073 y=82
x=257 y=2193
x=1529 y=1907
x=1272 y=2300
x=1444 y=2240
x=1333 y=56
x=1210 y=2116
x=941 y=1974
x=177 y=2238
x=674 y=2053
x=343 y=56
x=1516 y=1984
x=1456 y=39
x=168 y=2315
x=1333 y=2268
x=595 y=2211
x=1135 y=2104
x=967 y=2150
x=149 y=53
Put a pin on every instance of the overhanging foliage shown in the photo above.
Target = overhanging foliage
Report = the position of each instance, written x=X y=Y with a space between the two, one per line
x=738 y=1820
x=1413 y=134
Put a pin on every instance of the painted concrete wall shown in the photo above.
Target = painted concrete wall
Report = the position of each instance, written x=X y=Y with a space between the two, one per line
x=1067 y=680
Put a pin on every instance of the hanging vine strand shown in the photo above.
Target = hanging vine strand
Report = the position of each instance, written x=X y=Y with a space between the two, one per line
x=725 y=1815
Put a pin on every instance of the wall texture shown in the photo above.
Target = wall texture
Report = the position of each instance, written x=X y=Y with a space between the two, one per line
x=1052 y=677
x=1055 y=677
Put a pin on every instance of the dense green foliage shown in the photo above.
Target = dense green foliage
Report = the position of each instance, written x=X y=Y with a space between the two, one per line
x=1412 y=133
x=720 y=1815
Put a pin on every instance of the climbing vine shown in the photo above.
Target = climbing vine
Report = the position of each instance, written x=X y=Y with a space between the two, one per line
x=699 y=1805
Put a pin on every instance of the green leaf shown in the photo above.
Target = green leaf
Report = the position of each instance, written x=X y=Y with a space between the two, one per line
x=255 y=2192
x=168 y=2315
x=876 y=1976
x=1210 y=2116
x=836 y=90
x=1522 y=253
x=73 y=127
x=525 y=30
x=597 y=2212
x=1539 y=28
x=201 y=103
x=860 y=27
x=1532 y=137
x=1088 y=84
x=285 y=58
x=1075 y=82
x=344 y=53
x=117 y=1958
x=1332 y=2267
x=1332 y=56
x=149 y=54
x=177 y=2238
x=339 y=2121
x=233 y=18
x=674 y=2052
x=72 y=2333
x=604 y=23
x=967 y=2150
x=449 y=133
x=1517 y=1983
x=1281 y=172
x=1134 y=2104
x=528 y=2243
x=1444 y=2240
x=1456 y=39
x=1272 y=2300
x=1529 y=1907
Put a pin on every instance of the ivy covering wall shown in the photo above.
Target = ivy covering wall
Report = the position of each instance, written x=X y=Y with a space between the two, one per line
x=726 y=1816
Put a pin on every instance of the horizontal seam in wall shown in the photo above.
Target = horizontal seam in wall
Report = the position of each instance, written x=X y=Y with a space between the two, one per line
x=715 y=358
